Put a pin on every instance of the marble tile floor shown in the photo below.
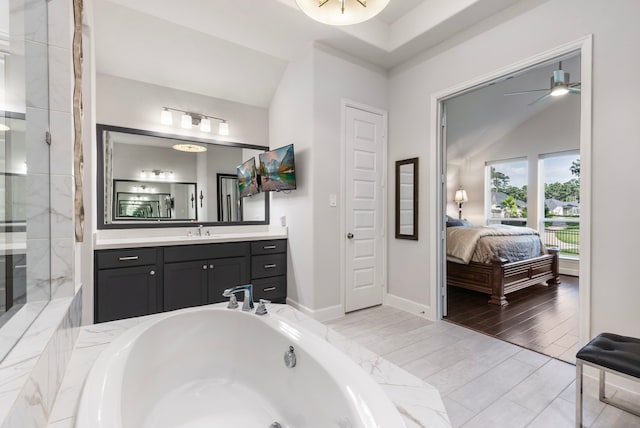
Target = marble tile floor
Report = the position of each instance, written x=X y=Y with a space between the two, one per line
x=484 y=382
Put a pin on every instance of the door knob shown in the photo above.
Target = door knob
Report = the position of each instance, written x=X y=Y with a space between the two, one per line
x=349 y=235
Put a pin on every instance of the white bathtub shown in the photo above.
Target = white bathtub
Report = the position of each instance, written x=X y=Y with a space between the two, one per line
x=214 y=367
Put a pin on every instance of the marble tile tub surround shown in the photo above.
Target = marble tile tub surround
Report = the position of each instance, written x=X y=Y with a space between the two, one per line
x=127 y=238
x=31 y=375
x=417 y=401
x=485 y=382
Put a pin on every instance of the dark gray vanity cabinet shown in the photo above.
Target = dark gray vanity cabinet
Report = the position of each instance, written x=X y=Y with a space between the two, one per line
x=142 y=281
x=127 y=283
x=269 y=270
x=189 y=282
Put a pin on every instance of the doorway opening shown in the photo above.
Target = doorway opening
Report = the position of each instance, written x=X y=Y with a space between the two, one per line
x=510 y=204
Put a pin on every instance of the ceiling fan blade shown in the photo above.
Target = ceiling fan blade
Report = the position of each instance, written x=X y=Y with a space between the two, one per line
x=545 y=96
x=525 y=92
x=575 y=91
x=574 y=84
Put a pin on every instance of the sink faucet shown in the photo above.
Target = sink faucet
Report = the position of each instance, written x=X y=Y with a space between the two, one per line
x=247 y=305
x=200 y=230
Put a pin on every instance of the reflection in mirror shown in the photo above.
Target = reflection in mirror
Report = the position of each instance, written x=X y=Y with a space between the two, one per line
x=148 y=182
x=407 y=199
x=229 y=201
x=154 y=200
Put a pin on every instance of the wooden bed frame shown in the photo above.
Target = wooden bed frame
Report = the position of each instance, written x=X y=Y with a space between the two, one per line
x=501 y=277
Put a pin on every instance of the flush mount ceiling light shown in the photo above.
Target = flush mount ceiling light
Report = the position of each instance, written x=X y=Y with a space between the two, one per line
x=342 y=12
x=189 y=119
x=192 y=148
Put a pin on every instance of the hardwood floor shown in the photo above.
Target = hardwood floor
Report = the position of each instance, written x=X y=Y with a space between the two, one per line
x=543 y=319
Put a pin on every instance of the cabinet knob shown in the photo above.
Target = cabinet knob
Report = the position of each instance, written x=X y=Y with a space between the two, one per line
x=204 y=267
x=153 y=272
x=210 y=266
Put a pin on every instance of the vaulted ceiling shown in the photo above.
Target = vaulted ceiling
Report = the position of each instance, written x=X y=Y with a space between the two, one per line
x=238 y=49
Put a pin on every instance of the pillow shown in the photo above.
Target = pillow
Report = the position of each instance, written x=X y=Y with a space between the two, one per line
x=454 y=223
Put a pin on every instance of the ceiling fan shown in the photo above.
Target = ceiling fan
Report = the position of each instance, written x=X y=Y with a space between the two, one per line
x=559 y=86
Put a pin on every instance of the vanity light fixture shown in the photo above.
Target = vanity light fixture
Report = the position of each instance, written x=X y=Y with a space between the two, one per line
x=156 y=173
x=189 y=119
x=187 y=147
x=342 y=12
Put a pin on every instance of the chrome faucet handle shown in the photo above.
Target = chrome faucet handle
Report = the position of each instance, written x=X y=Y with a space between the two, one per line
x=262 y=307
x=233 y=302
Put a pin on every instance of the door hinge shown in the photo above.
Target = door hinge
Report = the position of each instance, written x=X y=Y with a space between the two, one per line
x=443 y=120
x=47 y=137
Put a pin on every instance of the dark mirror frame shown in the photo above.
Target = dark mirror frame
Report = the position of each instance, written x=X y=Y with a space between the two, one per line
x=415 y=163
x=100 y=128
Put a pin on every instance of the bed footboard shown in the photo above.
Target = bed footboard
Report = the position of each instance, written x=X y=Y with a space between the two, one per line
x=501 y=277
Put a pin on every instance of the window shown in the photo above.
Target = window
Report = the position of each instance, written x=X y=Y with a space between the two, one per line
x=560 y=181
x=506 y=187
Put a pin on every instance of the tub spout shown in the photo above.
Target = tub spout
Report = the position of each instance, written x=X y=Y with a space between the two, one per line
x=247 y=304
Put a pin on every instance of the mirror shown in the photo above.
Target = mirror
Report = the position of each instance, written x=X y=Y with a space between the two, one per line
x=147 y=182
x=229 y=201
x=407 y=199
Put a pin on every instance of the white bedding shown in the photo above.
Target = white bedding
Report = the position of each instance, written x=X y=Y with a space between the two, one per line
x=462 y=240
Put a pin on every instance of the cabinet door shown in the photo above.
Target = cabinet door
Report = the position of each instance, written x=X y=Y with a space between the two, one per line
x=126 y=292
x=185 y=284
x=227 y=273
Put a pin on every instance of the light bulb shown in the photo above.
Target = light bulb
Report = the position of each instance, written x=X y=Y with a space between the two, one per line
x=559 y=91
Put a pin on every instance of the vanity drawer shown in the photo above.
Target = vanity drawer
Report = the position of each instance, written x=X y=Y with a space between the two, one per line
x=272 y=289
x=268 y=265
x=124 y=258
x=184 y=253
x=269 y=247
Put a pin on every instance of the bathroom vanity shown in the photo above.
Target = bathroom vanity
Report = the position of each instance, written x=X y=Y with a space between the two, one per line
x=165 y=275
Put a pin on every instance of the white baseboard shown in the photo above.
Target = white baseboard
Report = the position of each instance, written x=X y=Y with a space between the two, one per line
x=322 y=315
x=569 y=267
x=614 y=381
x=409 y=306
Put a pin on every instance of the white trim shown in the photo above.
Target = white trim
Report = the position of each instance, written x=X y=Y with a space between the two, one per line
x=322 y=315
x=585 y=46
x=343 y=147
x=408 y=306
x=569 y=267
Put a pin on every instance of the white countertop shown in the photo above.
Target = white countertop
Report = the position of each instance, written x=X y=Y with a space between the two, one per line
x=130 y=238
x=419 y=403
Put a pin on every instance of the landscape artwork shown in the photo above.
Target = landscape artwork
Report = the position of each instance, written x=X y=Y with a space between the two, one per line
x=247 y=178
x=277 y=169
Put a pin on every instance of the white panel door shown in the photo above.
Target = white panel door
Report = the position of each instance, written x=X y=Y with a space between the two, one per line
x=364 y=157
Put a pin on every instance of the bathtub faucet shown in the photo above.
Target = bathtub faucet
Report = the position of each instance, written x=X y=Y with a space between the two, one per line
x=247 y=305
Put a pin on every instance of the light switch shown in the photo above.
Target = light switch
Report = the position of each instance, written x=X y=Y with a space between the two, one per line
x=283 y=221
x=333 y=200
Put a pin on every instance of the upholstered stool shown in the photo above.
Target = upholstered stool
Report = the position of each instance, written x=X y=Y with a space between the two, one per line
x=612 y=353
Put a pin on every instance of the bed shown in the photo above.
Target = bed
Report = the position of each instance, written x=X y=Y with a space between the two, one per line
x=498 y=260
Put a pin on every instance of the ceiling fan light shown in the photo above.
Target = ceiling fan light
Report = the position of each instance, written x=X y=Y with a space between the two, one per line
x=559 y=91
x=342 y=12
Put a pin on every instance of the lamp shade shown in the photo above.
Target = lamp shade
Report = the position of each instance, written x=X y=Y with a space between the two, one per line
x=461 y=196
x=342 y=12
x=166 y=118
x=186 y=121
x=205 y=125
x=223 y=128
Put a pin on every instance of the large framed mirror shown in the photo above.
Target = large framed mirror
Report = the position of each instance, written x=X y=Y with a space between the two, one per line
x=151 y=179
x=407 y=199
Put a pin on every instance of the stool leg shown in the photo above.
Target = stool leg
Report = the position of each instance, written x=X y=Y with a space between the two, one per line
x=601 y=388
x=578 y=394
